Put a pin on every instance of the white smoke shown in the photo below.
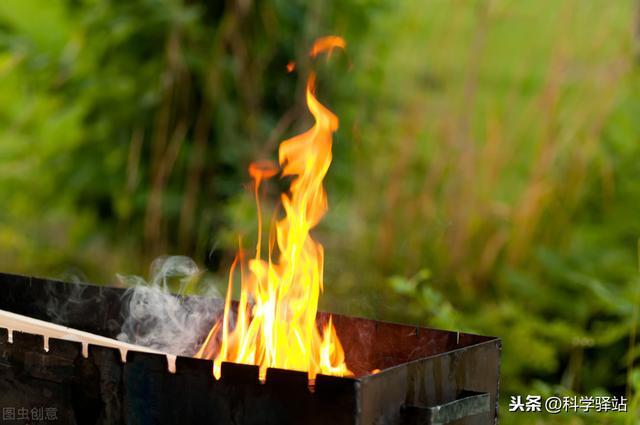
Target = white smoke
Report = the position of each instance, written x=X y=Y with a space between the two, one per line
x=157 y=318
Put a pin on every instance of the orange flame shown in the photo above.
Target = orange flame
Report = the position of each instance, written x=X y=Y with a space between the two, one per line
x=275 y=324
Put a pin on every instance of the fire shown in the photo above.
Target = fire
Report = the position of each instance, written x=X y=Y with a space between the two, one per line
x=275 y=324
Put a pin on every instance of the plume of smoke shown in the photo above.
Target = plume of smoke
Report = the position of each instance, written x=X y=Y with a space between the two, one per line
x=156 y=318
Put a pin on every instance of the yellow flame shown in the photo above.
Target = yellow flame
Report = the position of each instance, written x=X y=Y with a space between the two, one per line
x=275 y=324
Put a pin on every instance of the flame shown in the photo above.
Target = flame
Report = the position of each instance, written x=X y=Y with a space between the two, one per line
x=275 y=325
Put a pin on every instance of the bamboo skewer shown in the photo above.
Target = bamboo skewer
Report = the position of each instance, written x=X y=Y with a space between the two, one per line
x=17 y=322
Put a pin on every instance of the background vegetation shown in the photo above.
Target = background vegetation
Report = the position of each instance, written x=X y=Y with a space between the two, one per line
x=485 y=177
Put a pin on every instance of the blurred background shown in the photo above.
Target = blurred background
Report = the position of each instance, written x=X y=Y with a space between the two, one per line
x=486 y=174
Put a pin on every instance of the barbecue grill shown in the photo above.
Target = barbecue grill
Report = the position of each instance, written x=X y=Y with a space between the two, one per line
x=425 y=376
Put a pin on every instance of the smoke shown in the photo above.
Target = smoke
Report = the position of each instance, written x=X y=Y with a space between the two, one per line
x=63 y=303
x=157 y=318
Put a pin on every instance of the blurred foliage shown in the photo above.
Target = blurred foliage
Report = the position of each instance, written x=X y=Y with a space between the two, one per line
x=485 y=176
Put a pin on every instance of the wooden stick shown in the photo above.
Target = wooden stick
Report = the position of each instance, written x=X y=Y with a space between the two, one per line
x=17 y=322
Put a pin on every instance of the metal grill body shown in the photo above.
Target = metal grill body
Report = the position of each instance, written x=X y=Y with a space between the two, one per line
x=426 y=376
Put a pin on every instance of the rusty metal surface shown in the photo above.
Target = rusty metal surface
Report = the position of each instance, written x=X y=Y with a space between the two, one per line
x=421 y=370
